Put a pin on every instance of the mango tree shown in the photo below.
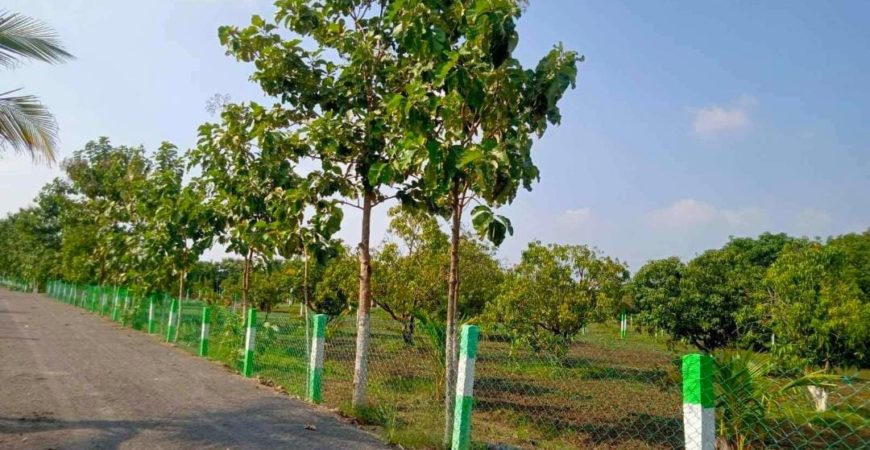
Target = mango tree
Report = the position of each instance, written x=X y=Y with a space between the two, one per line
x=554 y=292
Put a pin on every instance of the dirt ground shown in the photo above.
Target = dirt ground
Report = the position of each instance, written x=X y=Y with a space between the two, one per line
x=71 y=380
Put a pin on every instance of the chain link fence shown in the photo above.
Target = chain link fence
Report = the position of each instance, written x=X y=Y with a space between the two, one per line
x=607 y=389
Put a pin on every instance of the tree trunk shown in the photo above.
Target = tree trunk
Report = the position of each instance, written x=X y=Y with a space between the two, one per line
x=408 y=331
x=360 y=367
x=305 y=300
x=246 y=280
x=180 y=306
x=452 y=301
x=820 y=397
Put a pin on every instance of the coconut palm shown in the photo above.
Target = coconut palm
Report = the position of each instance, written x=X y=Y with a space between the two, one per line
x=25 y=123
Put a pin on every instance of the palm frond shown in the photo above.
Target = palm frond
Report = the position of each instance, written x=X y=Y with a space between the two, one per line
x=27 y=126
x=25 y=37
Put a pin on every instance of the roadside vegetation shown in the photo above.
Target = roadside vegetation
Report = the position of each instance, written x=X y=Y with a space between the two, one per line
x=422 y=107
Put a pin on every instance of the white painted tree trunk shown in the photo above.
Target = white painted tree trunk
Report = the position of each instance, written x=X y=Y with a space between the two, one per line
x=820 y=397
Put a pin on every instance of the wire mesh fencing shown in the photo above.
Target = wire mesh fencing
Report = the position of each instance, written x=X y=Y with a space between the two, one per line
x=611 y=387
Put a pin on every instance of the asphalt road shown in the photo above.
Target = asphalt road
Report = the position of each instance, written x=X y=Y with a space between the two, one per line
x=70 y=380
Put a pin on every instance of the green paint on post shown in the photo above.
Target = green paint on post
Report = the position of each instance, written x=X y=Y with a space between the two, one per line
x=699 y=412
x=250 y=333
x=172 y=323
x=203 y=335
x=315 y=363
x=465 y=388
x=698 y=380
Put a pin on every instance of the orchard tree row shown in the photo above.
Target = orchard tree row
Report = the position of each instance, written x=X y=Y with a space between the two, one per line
x=419 y=102
x=422 y=107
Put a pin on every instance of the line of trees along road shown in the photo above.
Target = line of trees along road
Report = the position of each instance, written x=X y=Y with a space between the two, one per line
x=423 y=106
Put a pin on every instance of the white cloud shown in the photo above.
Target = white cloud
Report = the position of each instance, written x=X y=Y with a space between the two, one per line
x=690 y=212
x=714 y=119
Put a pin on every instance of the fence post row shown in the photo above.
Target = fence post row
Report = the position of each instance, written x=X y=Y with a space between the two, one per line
x=315 y=363
x=465 y=388
x=173 y=320
x=699 y=414
x=248 y=366
x=203 y=336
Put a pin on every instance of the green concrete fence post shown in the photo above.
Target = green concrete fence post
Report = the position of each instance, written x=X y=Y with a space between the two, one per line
x=173 y=320
x=464 y=388
x=203 y=336
x=315 y=363
x=699 y=414
x=250 y=334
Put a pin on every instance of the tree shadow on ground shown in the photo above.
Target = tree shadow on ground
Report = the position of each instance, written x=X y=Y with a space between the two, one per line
x=650 y=376
x=498 y=385
x=661 y=432
x=268 y=424
x=558 y=420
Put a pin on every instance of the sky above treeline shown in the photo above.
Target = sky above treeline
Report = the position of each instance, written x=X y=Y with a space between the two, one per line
x=691 y=121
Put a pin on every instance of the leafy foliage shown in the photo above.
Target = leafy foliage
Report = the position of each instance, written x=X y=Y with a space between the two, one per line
x=25 y=124
x=818 y=308
x=553 y=292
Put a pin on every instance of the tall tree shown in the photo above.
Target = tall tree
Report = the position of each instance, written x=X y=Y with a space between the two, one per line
x=103 y=181
x=241 y=167
x=468 y=117
x=25 y=124
x=335 y=86
x=174 y=224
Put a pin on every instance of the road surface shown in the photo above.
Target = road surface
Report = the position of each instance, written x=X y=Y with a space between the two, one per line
x=71 y=380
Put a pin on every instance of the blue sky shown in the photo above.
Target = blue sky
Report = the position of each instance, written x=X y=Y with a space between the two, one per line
x=691 y=121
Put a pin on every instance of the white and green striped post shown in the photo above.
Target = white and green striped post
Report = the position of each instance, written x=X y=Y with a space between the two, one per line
x=622 y=326
x=315 y=363
x=699 y=414
x=203 y=335
x=151 y=315
x=465 y=388
x=172 y=324
x=127 y=302
x=115 y=308
x=250 y=334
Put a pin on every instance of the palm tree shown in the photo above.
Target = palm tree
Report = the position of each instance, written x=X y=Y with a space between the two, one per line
x=25 y=123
